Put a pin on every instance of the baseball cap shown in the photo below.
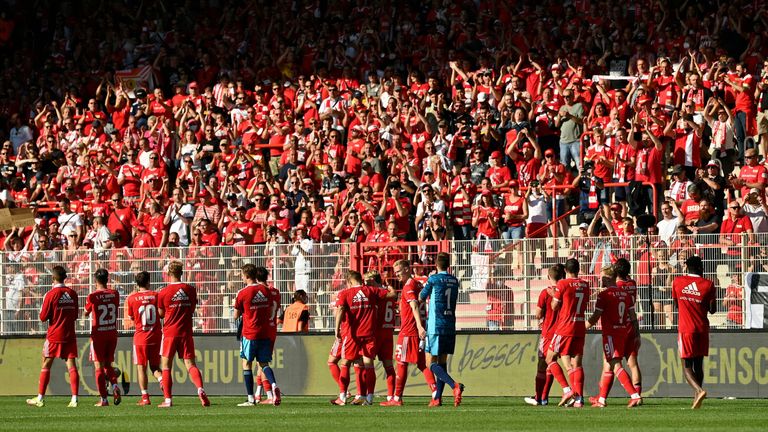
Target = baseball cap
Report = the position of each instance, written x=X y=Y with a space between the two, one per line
x=583 y=225
x=754 y=191
x=274 y=207
x=379 y=219
x=428 y=171
x=677 y=169
x=549 y=152
x=713 y=163
x=496 y=155
x=466 y=170
x=615 y=206
x=193 y=84
x=513 y=183
x=528 y=145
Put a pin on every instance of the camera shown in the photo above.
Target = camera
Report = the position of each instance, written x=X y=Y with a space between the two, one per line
x=272 y=230
x=534 y=183
x=587 y=167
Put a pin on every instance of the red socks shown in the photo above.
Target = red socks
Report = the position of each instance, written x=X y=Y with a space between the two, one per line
x=167 y=383
x=578 y=380
x=74 y=381
x=547 y=385
x=626 y=382
x=111 y=376
x=196 y=376
x=390 y=372
x=344 y=379
x=45 y=378
x=606 y=382
x=402 y=378
x=557 y=372
x=369 y=376
x=429 y=377
x=101 y=383
x=267 y=385
x=335 y=372
x=360 y=381
x=541 y=378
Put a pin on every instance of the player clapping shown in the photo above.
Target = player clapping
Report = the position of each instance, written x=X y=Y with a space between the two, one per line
x=103 y=305
x=141 y=313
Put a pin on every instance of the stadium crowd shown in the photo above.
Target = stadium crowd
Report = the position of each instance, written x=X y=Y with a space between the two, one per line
x=279 y=122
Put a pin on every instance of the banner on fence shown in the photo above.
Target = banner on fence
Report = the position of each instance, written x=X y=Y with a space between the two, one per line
x=756 y=300
x=490 y=364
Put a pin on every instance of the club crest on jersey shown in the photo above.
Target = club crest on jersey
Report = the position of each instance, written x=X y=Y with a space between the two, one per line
x=180 y=296
x=359 y=297
x=66 y=299
x=692 y=289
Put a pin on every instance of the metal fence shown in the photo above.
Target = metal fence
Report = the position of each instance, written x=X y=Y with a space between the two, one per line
x=501 y=281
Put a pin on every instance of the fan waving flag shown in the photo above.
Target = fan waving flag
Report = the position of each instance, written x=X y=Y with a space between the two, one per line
x=141 y=77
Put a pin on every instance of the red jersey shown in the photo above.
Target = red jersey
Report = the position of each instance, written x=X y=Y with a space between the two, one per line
x=615 y=304
x=178 y=301
x=386 y=315
x=549 y=316
x=344 y=320
x=103 y=306
x=629 y=286
x=573 y=294
x=596 y=152
x=259 y=308
x=61 y=310
x=141 y=308
x=752 y=174
x=687 y=148
x=361 y=302
x=693 y=294
x=410 y=293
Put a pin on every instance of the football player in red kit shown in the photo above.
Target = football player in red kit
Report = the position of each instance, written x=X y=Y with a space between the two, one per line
x=176 y=304
x=61 y=310
x=570 y=301
x=410 y=348
x=694 y=296
x=103 y=305
x=357 y=304
x=547 y=317
x=141 y=313
x=616 y=311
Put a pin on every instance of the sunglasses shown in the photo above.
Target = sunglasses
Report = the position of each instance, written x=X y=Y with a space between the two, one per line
x=735 y=207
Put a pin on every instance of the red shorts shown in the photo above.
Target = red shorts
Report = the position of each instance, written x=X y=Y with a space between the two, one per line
x=183 y=345
x=567 y=345
x=354 y=348
x=62 y=350
x=143 y=354
x=543 y=346
x=336 y=347
x=616 y=345
x=384 y=348
x=693 y=345
x=410 y=351
x=103 y=350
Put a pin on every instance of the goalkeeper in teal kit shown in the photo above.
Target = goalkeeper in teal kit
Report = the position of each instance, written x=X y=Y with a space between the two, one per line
x=442 y=290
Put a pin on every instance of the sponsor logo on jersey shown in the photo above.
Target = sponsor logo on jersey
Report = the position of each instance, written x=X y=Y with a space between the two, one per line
x=359 y=297
x=180 y=296
x=259 y=298
x=692 y=289
x=66 y=299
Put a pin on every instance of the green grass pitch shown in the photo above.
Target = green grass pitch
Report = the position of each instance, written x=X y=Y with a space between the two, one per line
x=306 y=414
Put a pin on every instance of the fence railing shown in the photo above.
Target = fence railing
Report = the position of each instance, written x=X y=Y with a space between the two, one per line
x=500 y=285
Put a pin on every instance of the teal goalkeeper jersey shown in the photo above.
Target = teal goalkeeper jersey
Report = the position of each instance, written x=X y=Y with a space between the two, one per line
x=442 y=289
